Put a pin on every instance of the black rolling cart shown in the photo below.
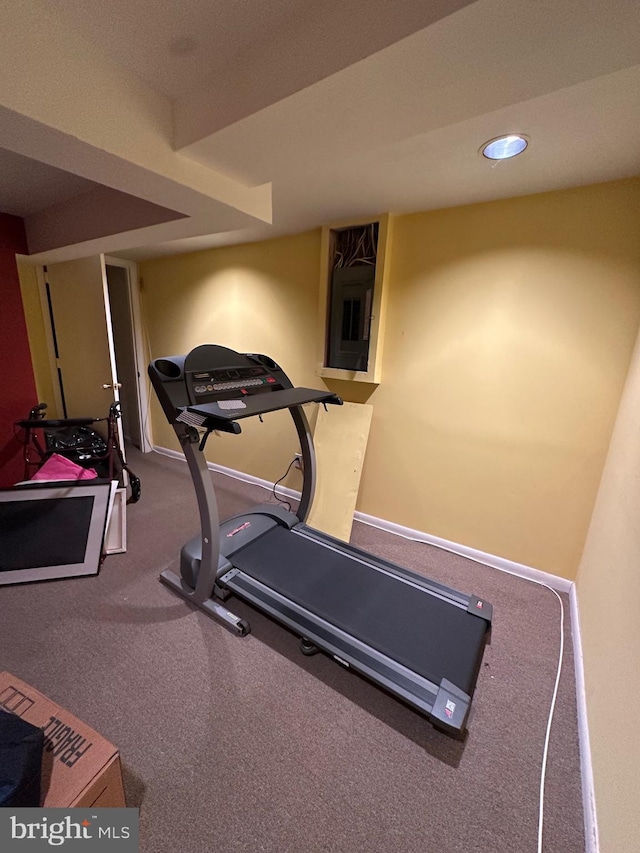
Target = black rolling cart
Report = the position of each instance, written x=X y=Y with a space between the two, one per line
x=77 y=440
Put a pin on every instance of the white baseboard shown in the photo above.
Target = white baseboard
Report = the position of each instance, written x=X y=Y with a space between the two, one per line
x=592 y=844
x=231 y=472
x=501 y=564
x=166 y=451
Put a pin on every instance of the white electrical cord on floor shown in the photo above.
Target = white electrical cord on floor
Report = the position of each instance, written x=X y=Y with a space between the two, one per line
x=545 y=750
x=553 y=707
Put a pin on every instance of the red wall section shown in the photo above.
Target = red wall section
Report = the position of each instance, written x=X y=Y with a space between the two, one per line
x=17 y=385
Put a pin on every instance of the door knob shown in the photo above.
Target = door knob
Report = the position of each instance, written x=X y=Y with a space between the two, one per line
x=108 y=385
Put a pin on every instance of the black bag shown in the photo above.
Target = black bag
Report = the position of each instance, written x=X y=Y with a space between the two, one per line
x=21 y=746
x=79 y=443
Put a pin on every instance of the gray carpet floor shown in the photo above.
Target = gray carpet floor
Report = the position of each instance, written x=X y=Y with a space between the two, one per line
x=243 y=745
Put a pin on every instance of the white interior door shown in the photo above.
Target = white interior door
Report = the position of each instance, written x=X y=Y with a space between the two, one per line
x=84 y=338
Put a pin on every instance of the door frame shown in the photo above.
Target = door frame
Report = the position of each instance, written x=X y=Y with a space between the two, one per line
x=138 y=345
x=138 y=340
x=45 y=306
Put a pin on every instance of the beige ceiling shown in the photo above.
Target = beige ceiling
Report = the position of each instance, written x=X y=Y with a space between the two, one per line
x=167 y=127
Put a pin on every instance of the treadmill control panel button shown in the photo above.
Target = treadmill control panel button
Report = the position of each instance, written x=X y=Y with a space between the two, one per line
x=232 y=386
x=208 y=386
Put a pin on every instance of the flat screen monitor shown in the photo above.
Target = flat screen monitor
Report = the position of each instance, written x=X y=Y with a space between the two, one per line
x=52 y=530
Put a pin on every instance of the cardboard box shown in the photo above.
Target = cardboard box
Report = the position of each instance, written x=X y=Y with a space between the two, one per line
x=79 y=767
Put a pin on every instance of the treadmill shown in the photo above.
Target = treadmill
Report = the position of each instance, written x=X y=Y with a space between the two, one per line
x=419 y=640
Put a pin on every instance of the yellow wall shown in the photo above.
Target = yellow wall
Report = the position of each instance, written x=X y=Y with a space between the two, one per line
x=509 y=331
x=260 y=297
x=608 y=586
x=510 y=327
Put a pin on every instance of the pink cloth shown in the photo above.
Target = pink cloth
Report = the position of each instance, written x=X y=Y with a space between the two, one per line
x=60 y=468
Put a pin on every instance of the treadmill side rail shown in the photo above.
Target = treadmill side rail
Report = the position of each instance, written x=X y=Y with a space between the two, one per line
x=451 y=708
x=480 y=607
x=453 y=596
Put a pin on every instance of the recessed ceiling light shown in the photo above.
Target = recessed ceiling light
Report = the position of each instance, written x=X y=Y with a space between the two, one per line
x=503 y=147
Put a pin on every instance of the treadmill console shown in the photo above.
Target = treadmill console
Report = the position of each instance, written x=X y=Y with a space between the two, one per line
x=213 y=386
x=205 y=386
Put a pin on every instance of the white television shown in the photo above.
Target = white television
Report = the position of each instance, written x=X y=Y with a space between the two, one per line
x=52 y=530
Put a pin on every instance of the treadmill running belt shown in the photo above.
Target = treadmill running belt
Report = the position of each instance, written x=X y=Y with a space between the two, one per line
x=430 y=636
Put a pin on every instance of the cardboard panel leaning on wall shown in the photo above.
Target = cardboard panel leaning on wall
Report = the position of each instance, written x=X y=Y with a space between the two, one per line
x=18 y=386
x=258 y=297
x=509 y=332
x=341 y=444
